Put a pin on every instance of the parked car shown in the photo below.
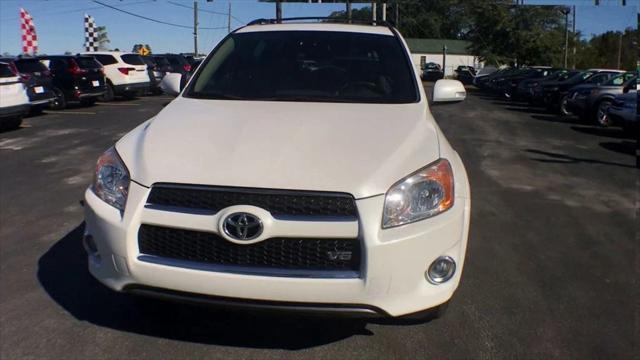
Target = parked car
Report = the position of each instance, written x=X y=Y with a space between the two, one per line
x=509 y=86
x=623 y=111
x=14 y=101
x=555 y=94
x=465 y=74
x=126 y=74
x=590 y=101
x=155 y=74
x=249 y=188
x=75 y=78
x=37 y=78
x=432 y=72
x=525 y=88
x=177 y=63
x=483 y=75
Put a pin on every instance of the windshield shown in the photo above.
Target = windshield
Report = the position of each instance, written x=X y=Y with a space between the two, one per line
x=307 y=66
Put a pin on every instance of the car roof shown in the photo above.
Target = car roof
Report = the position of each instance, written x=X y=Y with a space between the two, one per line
x=608 y=70
x=354 y=28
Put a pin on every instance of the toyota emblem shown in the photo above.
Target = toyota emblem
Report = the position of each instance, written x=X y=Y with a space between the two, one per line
x=242 y=226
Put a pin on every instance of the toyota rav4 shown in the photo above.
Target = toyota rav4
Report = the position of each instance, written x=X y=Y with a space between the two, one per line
x=300 y=168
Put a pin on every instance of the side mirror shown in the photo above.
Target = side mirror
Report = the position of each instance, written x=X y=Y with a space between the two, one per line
x=171 y=84
x=448 y=91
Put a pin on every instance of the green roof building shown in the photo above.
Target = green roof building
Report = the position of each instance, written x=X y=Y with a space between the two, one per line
x=431 y=50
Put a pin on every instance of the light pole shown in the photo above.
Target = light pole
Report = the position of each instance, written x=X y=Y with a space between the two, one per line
x=566 y=11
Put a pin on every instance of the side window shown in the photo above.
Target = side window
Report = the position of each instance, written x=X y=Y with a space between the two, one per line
x=58 y=64
x=106 y=59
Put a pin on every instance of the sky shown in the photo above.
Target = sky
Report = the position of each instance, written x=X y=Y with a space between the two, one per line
x=59 y=23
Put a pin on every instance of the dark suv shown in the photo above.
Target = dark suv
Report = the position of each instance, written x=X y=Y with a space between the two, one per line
x=75 y=78
x=37 y=79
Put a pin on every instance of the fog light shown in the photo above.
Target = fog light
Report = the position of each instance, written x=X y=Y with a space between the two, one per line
x=89 y=245
x=441 y=270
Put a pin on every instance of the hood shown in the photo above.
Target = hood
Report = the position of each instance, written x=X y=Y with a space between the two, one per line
x=360 y=149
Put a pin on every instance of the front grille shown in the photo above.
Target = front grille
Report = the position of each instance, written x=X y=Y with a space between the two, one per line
x=280 y=203
x=294 y=254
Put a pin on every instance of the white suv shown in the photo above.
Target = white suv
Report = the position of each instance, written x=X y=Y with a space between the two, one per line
x=300 y=168
x=126 y=73
x=14 y=101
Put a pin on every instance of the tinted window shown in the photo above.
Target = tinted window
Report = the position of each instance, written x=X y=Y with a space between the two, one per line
x=599 y=78
x=176 y=60
x=132 y=59
x=621 y=79
x=161 y=61
x=30 y=66
x=308 y=66
x=106 y=59
x=87 y=62
x=148 y=60
x=5 y=71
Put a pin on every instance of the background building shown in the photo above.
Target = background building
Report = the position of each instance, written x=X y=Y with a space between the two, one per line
x=430 y=50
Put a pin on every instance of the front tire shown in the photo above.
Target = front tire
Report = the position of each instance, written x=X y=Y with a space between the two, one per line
x=602 y=118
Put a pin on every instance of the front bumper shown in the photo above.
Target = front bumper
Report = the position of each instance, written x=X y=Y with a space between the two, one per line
x=392 y=280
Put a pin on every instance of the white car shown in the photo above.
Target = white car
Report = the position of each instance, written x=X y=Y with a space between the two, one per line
x=14 y=101
x=299 y=169
x=126 y=73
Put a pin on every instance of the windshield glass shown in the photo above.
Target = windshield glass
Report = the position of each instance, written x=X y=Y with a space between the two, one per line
x=307 y=66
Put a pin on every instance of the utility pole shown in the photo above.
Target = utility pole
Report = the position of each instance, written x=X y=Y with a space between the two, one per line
x=575 y=40
x=229 y=19
x=384 y=11
x=349 y=11
x=374 y=12
x=620 y=50
x=444 y=60
x=566 y=12
x=195 y=27
x=278 y=11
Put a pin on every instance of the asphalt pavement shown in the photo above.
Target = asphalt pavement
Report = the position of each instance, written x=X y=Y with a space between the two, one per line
x=552 y=264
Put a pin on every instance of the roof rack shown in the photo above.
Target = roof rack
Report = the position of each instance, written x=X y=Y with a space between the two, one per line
x=321 y=19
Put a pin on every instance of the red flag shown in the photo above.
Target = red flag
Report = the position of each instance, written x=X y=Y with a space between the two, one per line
x=29 y=37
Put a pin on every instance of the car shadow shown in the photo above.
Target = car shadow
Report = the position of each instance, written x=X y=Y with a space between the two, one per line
x=529 y=110
x=63 y=273
x=557 y=119
x=615 y=133
x=550 y=157
x=623 y=147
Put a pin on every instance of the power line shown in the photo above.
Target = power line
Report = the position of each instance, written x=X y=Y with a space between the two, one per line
x=59 y=12
x=208 y=11
x=151 y=19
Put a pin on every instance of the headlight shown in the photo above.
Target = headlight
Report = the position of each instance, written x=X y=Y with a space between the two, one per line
x=111 y=179
x=423 y=194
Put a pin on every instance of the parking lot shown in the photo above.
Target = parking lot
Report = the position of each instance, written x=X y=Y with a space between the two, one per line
x=551 y=268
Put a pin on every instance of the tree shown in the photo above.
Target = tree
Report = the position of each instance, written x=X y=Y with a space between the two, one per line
x=102 y=38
